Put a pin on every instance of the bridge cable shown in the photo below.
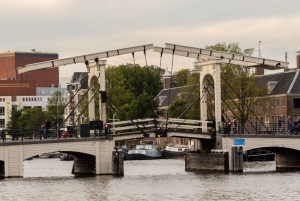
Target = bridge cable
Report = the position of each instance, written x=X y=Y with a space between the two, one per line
x=170 y=87
x=145 y=55
x=124 y=113
x=80 y=100
x=245 y=104
x=71 y=99
x=190 y=94
x=133 y=59
x=227 y=106
x=82 y=111
x=115 y=105
x=235 y=105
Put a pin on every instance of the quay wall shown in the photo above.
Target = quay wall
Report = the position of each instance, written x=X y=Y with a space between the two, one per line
x=207 y=161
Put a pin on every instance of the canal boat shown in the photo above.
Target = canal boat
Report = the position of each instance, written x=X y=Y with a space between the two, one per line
x=258 y=155
x=66 y=157
x=143 y=152
x=173 y=151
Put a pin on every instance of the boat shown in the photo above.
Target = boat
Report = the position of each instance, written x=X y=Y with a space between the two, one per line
x=173 y=151
x=66 y=157
x=258 y=155
x=50 y=155
x=143 y=152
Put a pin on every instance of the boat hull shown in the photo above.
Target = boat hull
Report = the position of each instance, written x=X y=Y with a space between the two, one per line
x=141 y=157
x=173 y=154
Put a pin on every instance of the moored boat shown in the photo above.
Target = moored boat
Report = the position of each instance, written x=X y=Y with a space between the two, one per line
x=143 y=152
x=66 y=157
x=174 y=151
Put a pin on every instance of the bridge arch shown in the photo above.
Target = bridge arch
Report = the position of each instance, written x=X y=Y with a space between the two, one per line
x=286 y=148
x=96 y=74
x=213 y=69
x=91 y=156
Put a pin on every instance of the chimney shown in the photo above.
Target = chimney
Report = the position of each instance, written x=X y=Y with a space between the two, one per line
x=259 y=71
x=167 y=79
x=298 y=58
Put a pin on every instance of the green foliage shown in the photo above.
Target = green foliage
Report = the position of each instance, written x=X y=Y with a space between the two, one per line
x=84 y=108
x=180 y=78
x=55 y=108
x=132 y=89
x=31 y=118
x=14 y=118
x=242 y=88
x=238 y=84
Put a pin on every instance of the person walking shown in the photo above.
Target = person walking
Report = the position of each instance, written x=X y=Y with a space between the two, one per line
x=229 y=126
x=298 y=125
x=47 y=127
x=280 y=125
x=290 y=125
x=234 y=125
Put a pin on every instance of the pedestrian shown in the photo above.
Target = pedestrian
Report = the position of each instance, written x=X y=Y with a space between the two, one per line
x=280 y=125
x=290 y=125
x=3 y=134
x=229 y=126
x=234 y=125
x=47 y=127
x=298 y=125
x=283 y=124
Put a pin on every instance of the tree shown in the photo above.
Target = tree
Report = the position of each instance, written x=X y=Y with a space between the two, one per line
x=238 y=84
x=14 y=119
x=189 y=81
x=133 y=89
x=31 y=118
x=55 y=108
x=180 y=78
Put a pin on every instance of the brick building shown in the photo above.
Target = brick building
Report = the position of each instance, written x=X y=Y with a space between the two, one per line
x=13 y=84
x=20 y=90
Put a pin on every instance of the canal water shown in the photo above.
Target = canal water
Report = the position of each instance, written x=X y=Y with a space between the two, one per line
x=157 y=180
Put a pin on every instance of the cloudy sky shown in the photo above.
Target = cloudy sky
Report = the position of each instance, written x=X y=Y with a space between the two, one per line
x=78 y=27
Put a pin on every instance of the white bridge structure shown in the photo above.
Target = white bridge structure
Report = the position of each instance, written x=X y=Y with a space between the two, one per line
x=94 y=155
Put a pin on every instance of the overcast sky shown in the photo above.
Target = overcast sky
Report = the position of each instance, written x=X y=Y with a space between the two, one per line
x=78 y=27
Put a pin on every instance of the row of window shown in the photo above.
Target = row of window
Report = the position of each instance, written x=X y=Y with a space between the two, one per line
x=294 y=119
x=32 y=99
x=275 y=102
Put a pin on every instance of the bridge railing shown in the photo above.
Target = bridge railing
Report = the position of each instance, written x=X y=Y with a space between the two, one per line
x=259 y=128
x=145 y=124
x=32 y=134
x=190 y=125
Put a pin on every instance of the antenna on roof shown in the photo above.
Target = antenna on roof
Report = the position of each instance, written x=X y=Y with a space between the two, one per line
x=286 y=56
x=259 y=54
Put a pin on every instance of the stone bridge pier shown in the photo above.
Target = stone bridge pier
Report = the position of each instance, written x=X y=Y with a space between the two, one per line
x=222 y=154
x=91 y=156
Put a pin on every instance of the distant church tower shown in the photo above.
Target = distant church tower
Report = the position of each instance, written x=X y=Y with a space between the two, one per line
x=259 y=71
x=167 y=79
x=298 y=58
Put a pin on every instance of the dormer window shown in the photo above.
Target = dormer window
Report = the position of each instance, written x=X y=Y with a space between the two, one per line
x=271 y=85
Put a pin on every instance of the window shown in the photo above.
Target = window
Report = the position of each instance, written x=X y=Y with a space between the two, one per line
x=2 y=123
x=277 y=102
x=295 y=118
x=2 y=112
x=296 y=102
x=272 y=103
x=273 y=119
x=283 y=102
x=267 y=119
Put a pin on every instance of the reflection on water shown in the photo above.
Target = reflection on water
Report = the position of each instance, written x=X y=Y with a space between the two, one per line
x=50 y=179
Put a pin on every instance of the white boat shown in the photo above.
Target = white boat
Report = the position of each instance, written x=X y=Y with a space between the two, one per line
x=143 y=152
x=174 y=151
